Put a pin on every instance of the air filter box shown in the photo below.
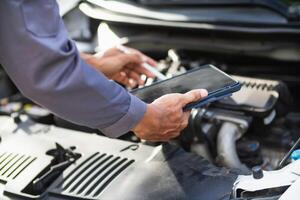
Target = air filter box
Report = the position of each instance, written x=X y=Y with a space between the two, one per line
x=262 y=99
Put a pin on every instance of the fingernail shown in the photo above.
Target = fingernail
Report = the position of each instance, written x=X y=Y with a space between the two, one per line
x=203 y=92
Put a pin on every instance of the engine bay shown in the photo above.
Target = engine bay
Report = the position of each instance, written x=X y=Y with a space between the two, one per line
x=44 y=156
x=235 y=149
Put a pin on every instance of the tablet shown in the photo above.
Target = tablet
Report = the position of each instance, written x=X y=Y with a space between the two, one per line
x=216 y=82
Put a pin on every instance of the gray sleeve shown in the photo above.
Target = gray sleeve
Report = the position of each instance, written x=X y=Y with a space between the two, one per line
x=45 y=65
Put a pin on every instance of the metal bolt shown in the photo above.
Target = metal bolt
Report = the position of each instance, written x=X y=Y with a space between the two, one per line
x=257 y=172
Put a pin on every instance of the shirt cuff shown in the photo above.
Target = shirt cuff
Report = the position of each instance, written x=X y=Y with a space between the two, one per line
x=134 y=114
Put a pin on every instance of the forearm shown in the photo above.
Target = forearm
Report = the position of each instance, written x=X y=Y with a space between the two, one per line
x=49 y=70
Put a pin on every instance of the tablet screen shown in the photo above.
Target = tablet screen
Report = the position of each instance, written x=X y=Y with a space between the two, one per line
x=205 y=77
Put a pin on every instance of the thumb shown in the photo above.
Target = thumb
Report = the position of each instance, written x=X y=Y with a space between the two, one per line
x=193 y=95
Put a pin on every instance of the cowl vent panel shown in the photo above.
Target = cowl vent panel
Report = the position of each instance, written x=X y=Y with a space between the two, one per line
x=93 y=175
x=12 y=164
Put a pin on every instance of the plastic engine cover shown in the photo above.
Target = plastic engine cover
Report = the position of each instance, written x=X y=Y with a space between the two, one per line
x=107 y=168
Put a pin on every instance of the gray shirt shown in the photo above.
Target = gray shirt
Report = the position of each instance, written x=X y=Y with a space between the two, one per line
x=45 y=65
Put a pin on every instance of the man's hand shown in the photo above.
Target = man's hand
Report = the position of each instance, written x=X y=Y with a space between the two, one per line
x=164 y=118
x=123 y=68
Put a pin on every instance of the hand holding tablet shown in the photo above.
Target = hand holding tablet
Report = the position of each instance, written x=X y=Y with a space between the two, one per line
x=216 y=82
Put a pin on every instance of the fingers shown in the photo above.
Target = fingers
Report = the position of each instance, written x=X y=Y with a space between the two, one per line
x=150 y=61
x=177 y=128
x=111 y=52
x=141 y=70
x=176 y=132
x=116 y=51
x=145 y=58
x=135 y=76
x=192 y=96
x=159 y=123
x=185 y=119
x=169 y=135
x=134 y=62
x=121 y=78
x=127 y=59
x=164 y=138
x=132 y=84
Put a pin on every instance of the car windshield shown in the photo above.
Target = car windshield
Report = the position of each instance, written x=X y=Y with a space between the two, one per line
x=290 y=9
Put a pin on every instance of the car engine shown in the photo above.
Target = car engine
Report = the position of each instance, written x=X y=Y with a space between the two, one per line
x=227 y=146
x=241 y=147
